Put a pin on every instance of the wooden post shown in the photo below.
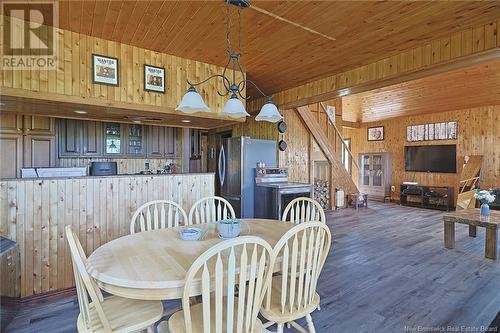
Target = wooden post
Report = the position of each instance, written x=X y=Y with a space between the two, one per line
x=490 y=245
x=449 y=235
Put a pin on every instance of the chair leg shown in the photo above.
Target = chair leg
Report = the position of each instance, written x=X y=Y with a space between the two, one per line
x=297 y=327
x=319 y=307
x=310 y=324
x=280 y=328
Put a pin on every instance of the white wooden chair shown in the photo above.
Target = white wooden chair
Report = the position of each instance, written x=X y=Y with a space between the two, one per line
x=110 y=314
x=242 y=264
x=210 y=209
x=303 y=209
x=158 y=214
x=292 y=294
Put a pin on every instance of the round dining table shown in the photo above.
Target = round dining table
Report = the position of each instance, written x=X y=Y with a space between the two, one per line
x=152 y=265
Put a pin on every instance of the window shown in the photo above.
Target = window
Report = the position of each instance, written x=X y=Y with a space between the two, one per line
x=346 y=157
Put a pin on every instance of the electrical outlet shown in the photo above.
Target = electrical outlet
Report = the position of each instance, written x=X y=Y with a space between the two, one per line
x=146 y=165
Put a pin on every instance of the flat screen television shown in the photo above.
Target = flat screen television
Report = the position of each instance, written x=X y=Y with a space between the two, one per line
x=436 y=158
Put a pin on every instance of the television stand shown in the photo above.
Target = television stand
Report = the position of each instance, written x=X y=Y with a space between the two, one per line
x=433 y=197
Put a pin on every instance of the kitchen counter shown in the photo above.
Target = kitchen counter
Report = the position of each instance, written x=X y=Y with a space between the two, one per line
x=34 y=212
x=114 y=176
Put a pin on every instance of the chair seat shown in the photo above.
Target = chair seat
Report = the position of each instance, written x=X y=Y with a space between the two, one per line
x=123 y=314
x=274 y=314
x=176 y=321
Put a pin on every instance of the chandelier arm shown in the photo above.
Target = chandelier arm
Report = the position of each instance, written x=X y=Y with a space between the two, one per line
x=224 y=80
x=242 y=74
x=227 y=84
x=241 y=86
x=257 y=87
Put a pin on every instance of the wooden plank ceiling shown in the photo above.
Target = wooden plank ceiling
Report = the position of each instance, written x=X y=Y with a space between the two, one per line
x=469 y=87
x=277 y=54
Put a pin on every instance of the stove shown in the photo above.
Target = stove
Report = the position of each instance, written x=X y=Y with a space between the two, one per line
x=273 y=192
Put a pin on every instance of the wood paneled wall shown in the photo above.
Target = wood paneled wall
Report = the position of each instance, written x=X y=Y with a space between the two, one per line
x=467 y=42
x=478 y=134
x=35 y=212
x=125 y=165
x=72 y=81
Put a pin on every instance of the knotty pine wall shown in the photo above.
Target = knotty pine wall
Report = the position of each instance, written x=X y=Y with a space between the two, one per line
x=470 y=41
x=478 y=134
x=72 y=81
x=34 y=213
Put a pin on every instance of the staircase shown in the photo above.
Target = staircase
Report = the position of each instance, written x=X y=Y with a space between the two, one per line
x=331 y=143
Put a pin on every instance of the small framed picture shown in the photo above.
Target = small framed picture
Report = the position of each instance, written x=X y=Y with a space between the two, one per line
x=154 y=79
x=104 y=70
x=376 y=133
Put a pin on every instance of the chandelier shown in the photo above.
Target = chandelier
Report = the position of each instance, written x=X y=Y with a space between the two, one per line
x=192 y=101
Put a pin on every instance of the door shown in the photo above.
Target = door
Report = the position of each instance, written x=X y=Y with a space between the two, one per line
x=254 y=151
x=11 y=123
x=39 y=125
x=11 y=145
x=230 y=167
x=113 y=139
x=377 y=171
x=39 y=151
x=365 y=170
x=214 y=158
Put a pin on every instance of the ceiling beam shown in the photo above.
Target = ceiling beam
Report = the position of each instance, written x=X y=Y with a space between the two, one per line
x=295 y=24
x=462 y=62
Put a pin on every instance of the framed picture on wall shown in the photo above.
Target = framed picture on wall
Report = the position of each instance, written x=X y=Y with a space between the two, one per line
x=154 y=79
x=375 y=133
x=104 y=70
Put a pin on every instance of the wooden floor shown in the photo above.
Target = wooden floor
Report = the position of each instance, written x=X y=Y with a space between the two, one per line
x=387 y=272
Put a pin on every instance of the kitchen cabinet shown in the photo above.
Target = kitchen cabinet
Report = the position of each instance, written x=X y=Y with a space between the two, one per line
x=39 y=151
x=113 y=139
x=195 y=144
x=11 y=123
x=11 y=145
x=156 y=142
x=39 y=125
x=171 y=142
x=92 y=138
x=162 y=142
x=135 y=140
x=70 y=141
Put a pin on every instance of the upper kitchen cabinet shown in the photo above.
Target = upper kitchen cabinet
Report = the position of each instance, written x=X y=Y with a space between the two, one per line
x=113 y=139
x=11 y=145
x=11 y=123
x=162 y=142
x=135 y=140
x=171 y=142
x=195 y=143
x=70 y=138
x=39 y=125
x=92 y=138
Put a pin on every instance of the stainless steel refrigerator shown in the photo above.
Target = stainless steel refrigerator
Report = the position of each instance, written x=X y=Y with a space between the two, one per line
x=237 y=161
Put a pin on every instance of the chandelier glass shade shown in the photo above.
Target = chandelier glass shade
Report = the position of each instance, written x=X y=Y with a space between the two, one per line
x=192 y=102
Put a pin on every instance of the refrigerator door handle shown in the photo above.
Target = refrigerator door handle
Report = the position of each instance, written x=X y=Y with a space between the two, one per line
x=222 y=165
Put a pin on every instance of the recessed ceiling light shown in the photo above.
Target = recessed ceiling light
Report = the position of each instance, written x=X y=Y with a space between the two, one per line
x=186 y=120
x=80 y=112
x=2 y=104
x=136 y=121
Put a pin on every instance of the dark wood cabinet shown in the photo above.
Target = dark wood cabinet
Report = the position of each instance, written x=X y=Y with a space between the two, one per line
x=70 y=141
x=195 y=144
x=135 y=140
x=39 y=151
x=156 y=142
x=171 y=142
x=11 y=123
x=162 y=142
x=92 y=138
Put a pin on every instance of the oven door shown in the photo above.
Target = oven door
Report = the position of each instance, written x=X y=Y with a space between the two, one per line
x=287 y=195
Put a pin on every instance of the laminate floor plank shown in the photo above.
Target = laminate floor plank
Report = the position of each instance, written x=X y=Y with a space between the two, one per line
x=388 y=271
